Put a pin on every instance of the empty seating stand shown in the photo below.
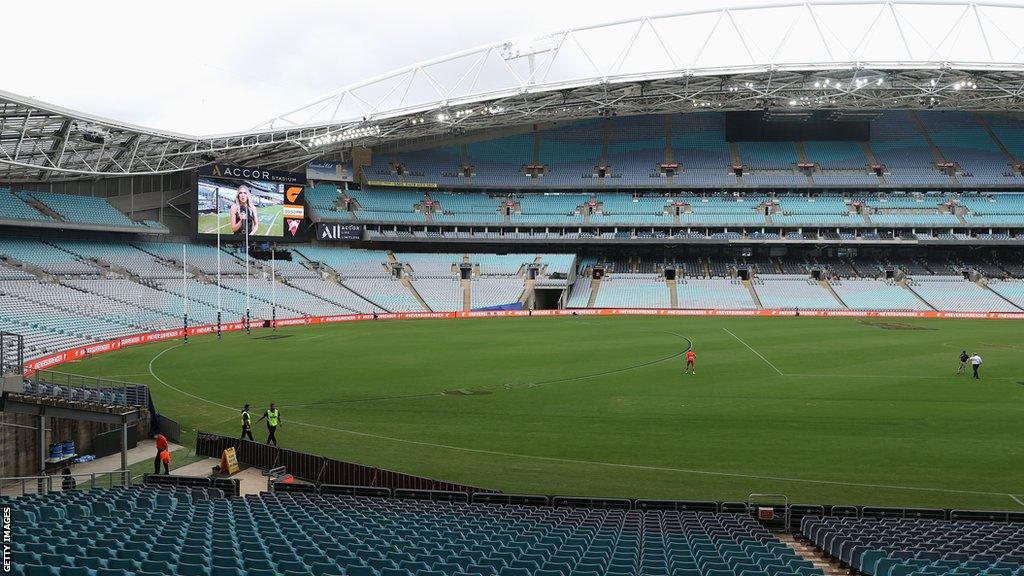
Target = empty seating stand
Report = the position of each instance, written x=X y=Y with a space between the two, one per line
x=189 y=532
x=920 y=547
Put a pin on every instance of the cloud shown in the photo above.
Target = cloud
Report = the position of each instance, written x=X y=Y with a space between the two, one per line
x=212 y=67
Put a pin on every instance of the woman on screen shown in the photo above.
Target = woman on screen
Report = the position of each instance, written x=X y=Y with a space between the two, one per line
x=243 y=212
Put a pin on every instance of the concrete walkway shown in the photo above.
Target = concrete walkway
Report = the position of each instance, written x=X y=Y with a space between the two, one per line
x=251 y=480
x=83 y=473
x=145 y=450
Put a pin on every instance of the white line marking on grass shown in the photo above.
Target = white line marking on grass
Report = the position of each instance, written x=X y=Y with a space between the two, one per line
x=1017 y=500
x=754 y=351
x=887 y=376
x=104 y=376
x=584 y=462
x=272 y=220
x=189 y=394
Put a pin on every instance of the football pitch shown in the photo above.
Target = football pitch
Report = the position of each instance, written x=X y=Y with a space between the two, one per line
x=271 y=222
x=825 y=410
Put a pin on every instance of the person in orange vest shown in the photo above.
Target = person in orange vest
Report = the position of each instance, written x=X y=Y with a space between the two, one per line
x=165 y=457
x=161 y=447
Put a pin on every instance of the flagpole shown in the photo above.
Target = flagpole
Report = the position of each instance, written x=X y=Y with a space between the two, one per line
x=273 y=290
x=184 y=290
x=248 y=310
x=218 y=262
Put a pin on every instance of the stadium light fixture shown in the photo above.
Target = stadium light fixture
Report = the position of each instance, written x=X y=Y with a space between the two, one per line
x=345 y=135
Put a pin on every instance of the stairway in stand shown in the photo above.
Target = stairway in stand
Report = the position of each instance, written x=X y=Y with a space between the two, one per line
x=819 y=559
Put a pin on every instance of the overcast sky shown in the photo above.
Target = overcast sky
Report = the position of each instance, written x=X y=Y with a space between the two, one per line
x=217 y=66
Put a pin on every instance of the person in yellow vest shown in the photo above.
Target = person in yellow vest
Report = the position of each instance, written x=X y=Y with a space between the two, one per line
x=273 y=416
x=246 y=423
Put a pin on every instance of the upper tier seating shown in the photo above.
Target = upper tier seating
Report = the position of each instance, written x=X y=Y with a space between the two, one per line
x=14 y=208
x=767 y=155
x=902 y=148
x=894 y=209
x=571 y=151
x=140 y=530
x=836 y=155
x=1009 y=130
x=636 y=147
x=82 y=209
x=499 y=162
x=964 y=141
x=321 y=198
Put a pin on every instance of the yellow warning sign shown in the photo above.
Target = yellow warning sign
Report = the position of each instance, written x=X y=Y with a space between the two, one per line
x=229 y=461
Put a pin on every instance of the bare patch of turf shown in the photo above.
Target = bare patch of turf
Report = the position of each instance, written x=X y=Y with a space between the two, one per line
x=467 y=392
x=893 y=325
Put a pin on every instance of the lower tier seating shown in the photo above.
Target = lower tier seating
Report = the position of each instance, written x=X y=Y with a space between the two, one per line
x=143 y=532
x=913 y=547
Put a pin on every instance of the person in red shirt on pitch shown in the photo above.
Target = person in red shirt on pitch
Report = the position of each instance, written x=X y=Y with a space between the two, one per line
x=690 y=357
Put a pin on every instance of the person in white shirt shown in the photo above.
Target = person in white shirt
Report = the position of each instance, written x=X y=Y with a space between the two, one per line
x=975 y=364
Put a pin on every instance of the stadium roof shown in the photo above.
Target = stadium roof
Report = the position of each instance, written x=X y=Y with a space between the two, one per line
x=784 y=58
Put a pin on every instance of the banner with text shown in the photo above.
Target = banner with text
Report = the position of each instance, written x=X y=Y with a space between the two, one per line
x=44 y=362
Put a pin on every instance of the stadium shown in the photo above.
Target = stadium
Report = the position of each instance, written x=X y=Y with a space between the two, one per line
x=724 y=292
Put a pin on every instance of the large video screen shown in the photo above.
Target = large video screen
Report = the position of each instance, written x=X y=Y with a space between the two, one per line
x=235 y=201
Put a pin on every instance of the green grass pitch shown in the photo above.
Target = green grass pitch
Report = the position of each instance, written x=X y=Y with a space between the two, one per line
x=271 y=222
x=832 y=411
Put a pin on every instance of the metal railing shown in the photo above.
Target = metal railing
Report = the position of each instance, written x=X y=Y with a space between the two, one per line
x=12 y=353
x=89 y=389
x=25 y=485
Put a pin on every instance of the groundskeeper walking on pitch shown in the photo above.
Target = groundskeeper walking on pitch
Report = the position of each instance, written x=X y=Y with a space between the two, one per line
x=273 y=416
x=246 y=423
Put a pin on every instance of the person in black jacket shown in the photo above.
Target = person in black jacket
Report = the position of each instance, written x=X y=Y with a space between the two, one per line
x=67 y=482
x=963 y=362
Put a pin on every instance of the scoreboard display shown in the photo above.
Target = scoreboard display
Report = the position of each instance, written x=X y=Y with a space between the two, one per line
x=236 y=200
